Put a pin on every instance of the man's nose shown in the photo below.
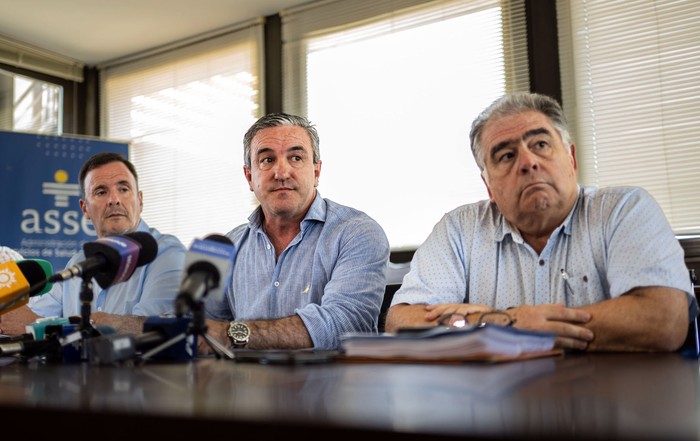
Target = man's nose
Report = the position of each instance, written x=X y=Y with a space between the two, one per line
x=114 y=198
x=282 y=168
x=527 y=160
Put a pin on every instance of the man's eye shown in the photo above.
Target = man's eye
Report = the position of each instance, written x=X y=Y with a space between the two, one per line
x=265 y=163
x=505 y=157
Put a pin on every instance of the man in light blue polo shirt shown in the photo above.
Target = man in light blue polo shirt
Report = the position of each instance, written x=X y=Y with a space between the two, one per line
x=598 y=267
x=111 y=200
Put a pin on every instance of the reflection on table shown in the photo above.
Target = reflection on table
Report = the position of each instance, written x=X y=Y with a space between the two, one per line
x=598 y=396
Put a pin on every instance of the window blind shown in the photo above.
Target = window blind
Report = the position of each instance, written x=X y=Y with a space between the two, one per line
x=393 y=87
x=630 y=88
x=184 y=112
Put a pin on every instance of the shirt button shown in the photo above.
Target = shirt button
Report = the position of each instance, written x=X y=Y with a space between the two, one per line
x=268 y=246
x=541 y=262
x=277 y=283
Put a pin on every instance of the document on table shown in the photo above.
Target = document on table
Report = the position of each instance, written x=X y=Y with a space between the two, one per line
x=483 y=343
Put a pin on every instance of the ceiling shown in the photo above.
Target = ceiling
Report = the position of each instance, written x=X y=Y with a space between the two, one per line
x=96 y=31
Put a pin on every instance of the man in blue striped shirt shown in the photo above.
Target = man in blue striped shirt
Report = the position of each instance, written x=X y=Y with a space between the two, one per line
x=307 y=269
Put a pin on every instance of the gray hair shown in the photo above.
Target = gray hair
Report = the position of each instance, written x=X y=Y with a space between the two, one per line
x=514 y=104
x=279 y=120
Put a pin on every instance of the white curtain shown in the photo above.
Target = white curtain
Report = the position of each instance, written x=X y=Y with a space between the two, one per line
x=393 y=87
x=185 y=112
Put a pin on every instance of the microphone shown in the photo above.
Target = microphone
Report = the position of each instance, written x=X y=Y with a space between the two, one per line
x=43 y=286
x=21 y=280
x=37 y=329
x=168 y=332
x=112 y=259
x=30 y=348
x=208 y=265
x=61 y=342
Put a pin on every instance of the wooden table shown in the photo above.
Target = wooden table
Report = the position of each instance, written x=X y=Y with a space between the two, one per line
x=589 y=396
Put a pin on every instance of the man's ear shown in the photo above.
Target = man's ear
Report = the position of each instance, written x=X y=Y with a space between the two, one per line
x=488 y=189
x=83 y=208
x=317 y=172
x=248 y=177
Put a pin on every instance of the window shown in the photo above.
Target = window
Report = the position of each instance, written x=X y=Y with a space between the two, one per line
x=30 y=105
x=630 y=88
x=393 y=87
x=185 y=112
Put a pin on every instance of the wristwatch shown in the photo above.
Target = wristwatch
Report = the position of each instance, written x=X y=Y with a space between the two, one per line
x=239 y=333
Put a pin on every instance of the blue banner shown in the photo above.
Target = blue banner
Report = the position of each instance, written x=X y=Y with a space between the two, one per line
x=39 y=193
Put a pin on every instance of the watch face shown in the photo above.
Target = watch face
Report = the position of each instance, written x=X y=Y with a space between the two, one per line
x=239 y=332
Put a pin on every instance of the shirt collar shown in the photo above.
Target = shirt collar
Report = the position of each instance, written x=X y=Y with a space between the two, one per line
x=316 y=212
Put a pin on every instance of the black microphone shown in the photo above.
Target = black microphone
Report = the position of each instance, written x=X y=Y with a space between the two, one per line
x=44 y=269
x=208 y=265
x=30 y=348
x=61 y=342
x=115 y=348
x=112 y=259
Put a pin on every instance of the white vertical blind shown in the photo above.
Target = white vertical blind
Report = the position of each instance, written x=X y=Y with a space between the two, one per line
x=185 y=112
x=631 y=89
x=393 y=87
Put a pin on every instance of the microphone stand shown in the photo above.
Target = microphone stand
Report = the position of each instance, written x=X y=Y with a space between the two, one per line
x=85 y=328
x=196 y=327
x=199 y=327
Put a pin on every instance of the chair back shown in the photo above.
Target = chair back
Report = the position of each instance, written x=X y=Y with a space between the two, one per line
x=394 y=279
x=691 y=249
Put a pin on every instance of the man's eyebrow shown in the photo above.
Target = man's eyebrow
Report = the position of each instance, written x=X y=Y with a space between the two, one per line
x=508 y=142
x=297 y=148
x=537 y=131
x=262 y=150
x=290 y=149
x=102 y=186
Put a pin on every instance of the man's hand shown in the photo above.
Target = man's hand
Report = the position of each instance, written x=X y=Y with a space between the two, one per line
x=14 y=322
x=566 y=323
x=411 y=316
x=434 y=312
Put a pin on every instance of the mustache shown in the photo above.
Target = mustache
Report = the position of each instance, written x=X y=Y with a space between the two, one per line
x=118 y=212
x=283 y=186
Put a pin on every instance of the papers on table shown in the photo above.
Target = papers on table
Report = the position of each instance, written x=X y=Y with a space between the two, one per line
x=483 y=343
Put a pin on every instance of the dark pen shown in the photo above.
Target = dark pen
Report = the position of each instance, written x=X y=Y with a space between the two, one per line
x=565 y=276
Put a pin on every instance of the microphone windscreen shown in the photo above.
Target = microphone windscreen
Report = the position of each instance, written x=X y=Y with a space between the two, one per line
x=219 y=238
x=48 y=272
x=149 y=247
x=119 y=255
x=35 y=275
